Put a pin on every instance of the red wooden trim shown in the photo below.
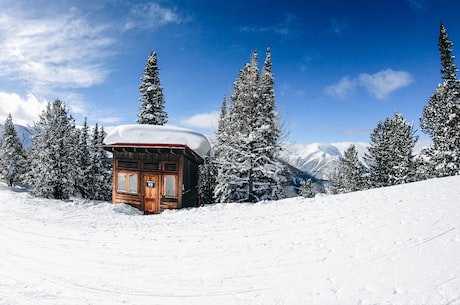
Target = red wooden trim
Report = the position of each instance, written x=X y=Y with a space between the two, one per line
x=162 y=145
x=155 y=145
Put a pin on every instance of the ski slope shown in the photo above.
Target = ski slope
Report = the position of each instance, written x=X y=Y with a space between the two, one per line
x=396 y=245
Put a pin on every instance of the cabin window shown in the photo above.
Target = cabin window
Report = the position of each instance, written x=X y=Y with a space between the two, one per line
x=128 y=164
x=170 y=186
x=170 y=167
x=127 y=183
x=152 y=166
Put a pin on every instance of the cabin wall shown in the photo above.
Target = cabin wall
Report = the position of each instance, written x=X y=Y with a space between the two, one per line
x=125 y=168
x=170 y=169
x=190 y=179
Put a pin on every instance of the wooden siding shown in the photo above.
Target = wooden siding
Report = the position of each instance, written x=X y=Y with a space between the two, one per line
x=156 y=164
x=190 y=177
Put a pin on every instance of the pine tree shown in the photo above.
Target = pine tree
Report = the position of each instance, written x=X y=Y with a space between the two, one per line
x=221 y=160
x=99 y=173
x=441 y=115
x=52 y=157
x=307 y=190
x=207 y=180
x=267 y=170
x=242 y=120
x=236 y=160
x=152 y=100
x=349 y=176
x=83 y=183
x=449 y=70
x=247 y=144
x=390 y=154
x=13 y=162
x=107 y=168
x=424 y=165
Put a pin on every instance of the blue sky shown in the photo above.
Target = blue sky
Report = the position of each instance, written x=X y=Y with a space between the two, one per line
x=340 y=66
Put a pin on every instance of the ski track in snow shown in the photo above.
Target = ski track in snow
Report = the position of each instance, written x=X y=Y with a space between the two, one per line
x=397 y=245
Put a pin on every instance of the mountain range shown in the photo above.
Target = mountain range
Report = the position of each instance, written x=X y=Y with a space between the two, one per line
x=318 y=159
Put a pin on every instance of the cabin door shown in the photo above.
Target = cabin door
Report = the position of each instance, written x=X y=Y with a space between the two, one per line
x=151 y=193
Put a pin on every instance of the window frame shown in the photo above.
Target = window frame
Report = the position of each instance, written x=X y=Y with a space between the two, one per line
x=133 y=164
x=165 y=185
x=166 y=167
x=128 y=185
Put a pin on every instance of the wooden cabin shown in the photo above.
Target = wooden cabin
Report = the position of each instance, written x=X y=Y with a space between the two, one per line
x=156 y=167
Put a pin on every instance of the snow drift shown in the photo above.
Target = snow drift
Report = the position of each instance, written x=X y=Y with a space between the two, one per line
x=395 y=245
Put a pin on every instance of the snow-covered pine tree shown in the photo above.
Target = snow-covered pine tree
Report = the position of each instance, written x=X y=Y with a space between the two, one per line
x=307 y=190
x=207 y=180
x=210 y=172
x=107 y=168
x=441 y=115
x=349 y=174
x=424 y=165
x=390 y=155
x=240 y=155
x=221 y=152
x=99 y=174
x=13 y=161
x=221 y=133
x=83 y=183
x=378 y=155
x=266 y=168
x=152 y=100
x=247 y=145
x=52 y=157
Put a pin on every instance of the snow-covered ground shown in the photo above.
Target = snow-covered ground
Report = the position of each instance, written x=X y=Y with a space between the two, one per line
x=396 y=245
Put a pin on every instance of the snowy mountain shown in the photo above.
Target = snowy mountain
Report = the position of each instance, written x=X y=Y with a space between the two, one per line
x=24 y=134
x=318 y=160
x=395 y=245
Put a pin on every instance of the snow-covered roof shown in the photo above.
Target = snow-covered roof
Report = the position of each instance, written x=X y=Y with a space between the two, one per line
x=150 y=135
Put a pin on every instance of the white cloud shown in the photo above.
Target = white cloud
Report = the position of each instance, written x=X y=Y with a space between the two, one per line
x=203 y=120
x=342 y=89
x=285 y=27
x=52 y=53
x=110 y=120
x=382 y=83
x=150 y=16
x=52 y=50
x=379 y=84
x=24 y=111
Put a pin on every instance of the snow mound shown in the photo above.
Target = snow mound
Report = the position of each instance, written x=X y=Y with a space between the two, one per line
x=126 y=209
x=139 y=135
